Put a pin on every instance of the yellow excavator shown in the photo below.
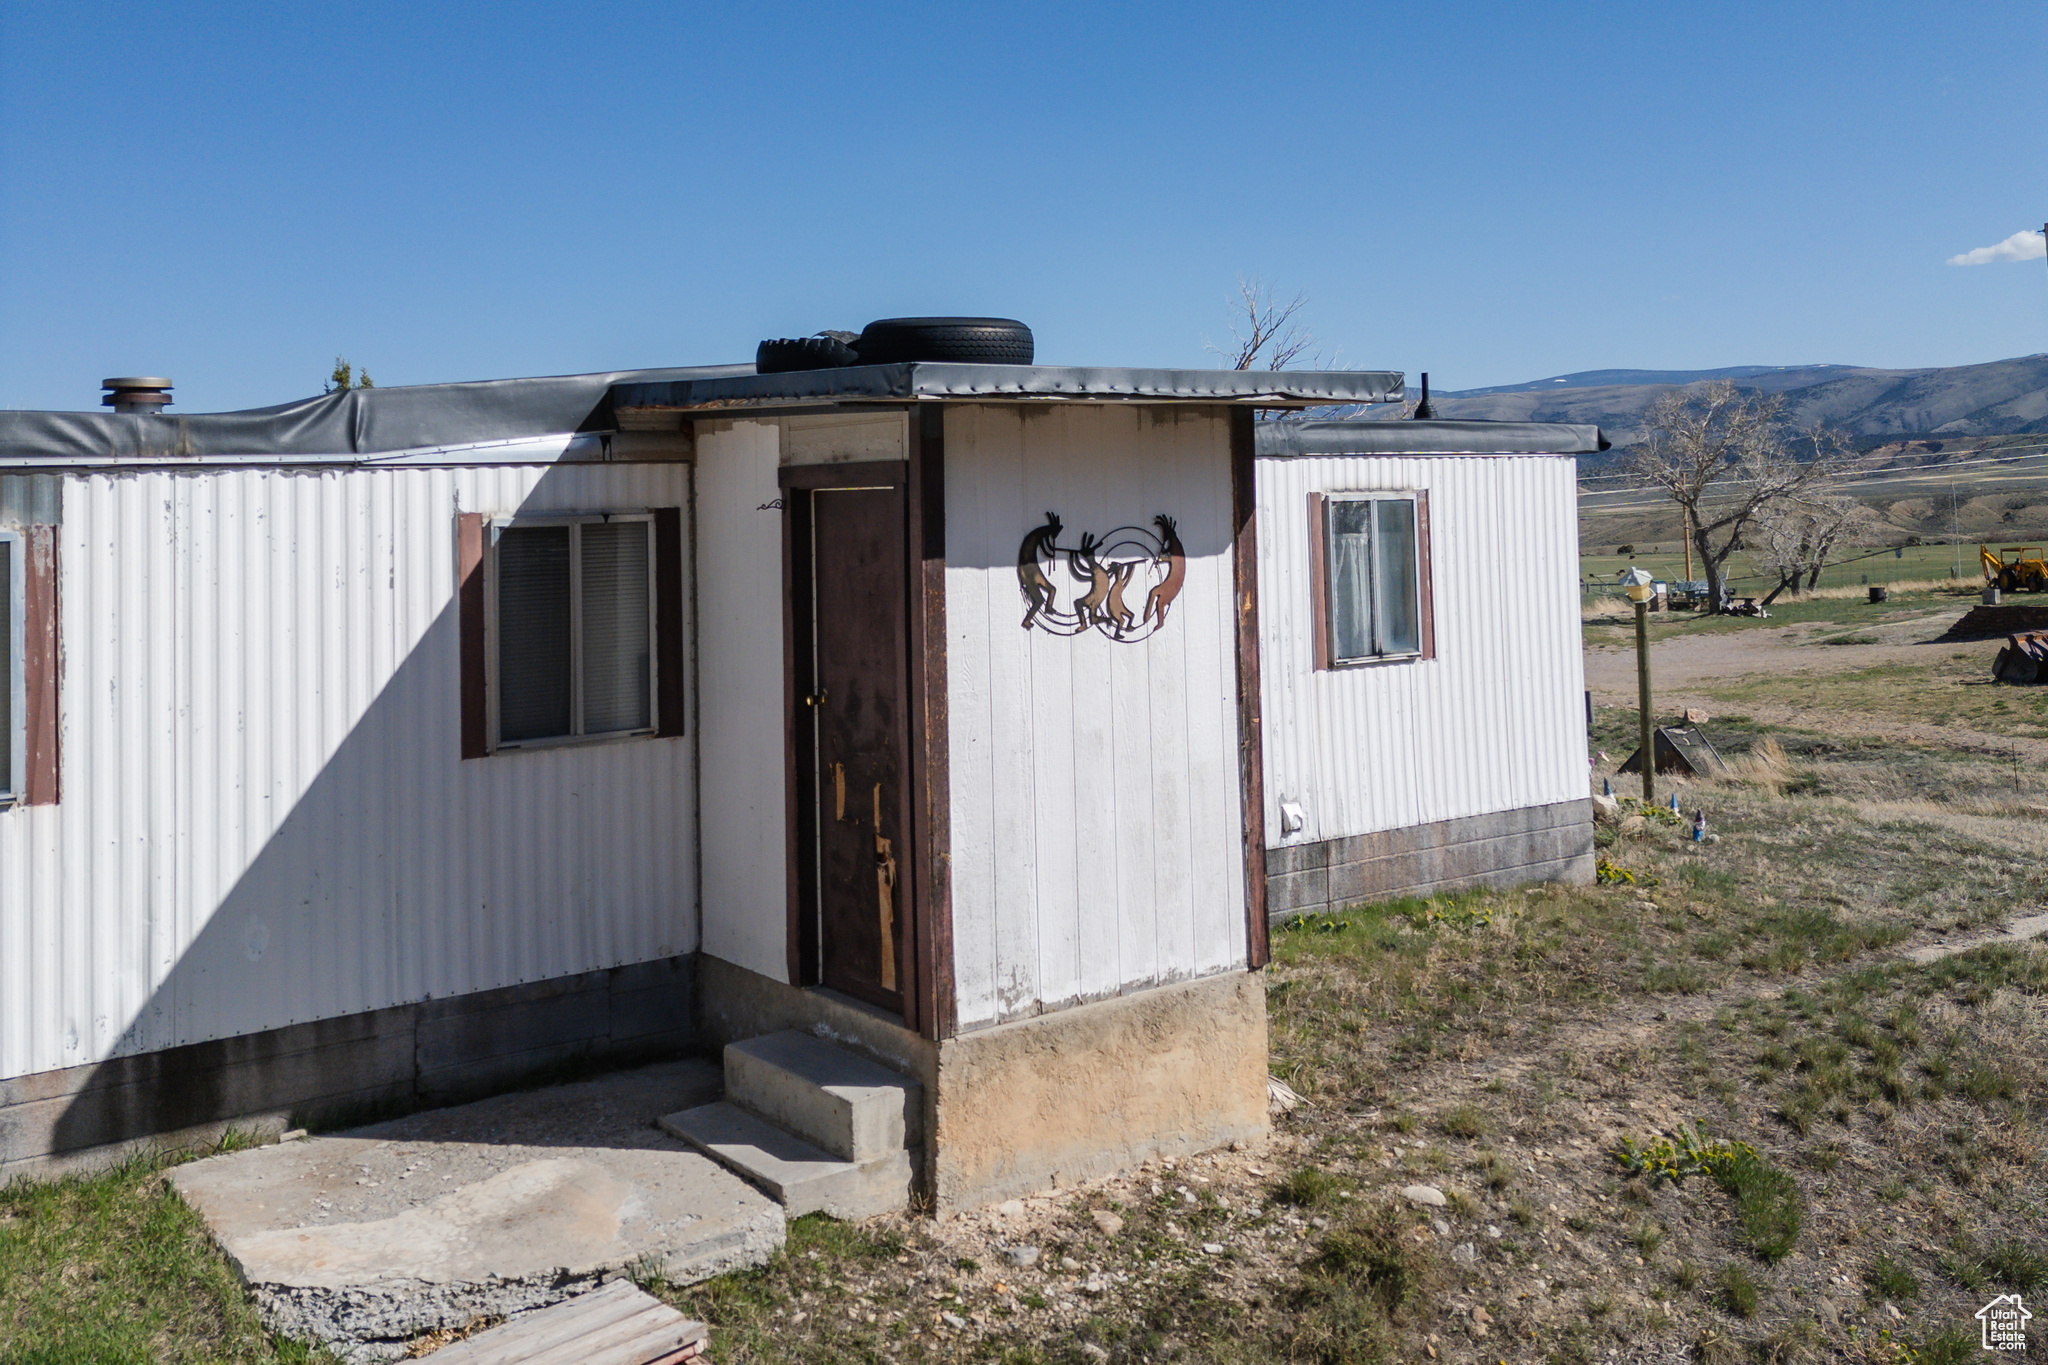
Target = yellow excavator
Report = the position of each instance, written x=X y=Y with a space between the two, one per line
x=2016 y=568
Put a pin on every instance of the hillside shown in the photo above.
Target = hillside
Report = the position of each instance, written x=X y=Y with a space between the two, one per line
x=2000 y=398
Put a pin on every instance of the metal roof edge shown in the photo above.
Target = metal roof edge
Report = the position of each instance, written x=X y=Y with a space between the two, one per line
x=924 y=380
x=1292 y=440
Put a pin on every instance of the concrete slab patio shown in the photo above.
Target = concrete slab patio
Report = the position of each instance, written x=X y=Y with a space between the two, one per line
x=365 y=1238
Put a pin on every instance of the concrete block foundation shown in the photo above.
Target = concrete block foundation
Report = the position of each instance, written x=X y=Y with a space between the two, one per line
x=1507 y=848
x=354 y=1068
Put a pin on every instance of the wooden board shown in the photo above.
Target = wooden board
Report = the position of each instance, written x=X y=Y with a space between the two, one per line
x=615 y=1325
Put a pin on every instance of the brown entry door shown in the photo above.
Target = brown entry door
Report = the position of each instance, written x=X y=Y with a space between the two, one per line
x=857 y=697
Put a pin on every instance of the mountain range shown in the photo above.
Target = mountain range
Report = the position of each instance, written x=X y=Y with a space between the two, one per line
x=1999 y=398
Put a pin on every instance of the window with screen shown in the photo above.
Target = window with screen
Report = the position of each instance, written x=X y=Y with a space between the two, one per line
x=574 y=630
x=1373 y=593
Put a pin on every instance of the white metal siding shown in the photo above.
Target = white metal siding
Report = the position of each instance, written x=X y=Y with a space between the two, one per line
x=739 y=600
x=265 y=818
x=1096 y=816
x=1496 y=721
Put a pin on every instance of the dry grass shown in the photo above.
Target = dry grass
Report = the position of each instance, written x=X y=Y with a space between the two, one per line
x=1765 y=766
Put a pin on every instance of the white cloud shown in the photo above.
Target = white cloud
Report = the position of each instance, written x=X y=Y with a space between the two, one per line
x=2026 y=245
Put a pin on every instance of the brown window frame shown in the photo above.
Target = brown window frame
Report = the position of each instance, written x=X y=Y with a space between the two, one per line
x=474 y=545
x=31 y=643
x=1319 y=580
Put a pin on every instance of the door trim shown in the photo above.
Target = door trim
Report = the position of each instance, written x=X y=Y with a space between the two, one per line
x=1251 y=761
x=936 y=1008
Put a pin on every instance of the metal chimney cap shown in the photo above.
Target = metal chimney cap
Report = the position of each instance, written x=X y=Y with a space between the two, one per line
x=136 y=382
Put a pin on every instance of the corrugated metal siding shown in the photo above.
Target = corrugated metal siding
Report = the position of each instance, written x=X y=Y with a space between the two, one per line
x=264 y=817
x=1096 y=815
x=1496 y=721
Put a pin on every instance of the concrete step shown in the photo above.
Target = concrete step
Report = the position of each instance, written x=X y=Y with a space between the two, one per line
x=804 y=1178
x=855 y=1109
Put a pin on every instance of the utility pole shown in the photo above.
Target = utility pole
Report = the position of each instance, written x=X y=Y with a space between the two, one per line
x=1638 y=584
x=1955 y=539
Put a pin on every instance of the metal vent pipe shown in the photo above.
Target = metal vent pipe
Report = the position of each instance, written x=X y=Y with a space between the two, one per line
x=136 y=393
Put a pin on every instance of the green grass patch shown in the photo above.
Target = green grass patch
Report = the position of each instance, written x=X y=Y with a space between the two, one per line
x=1736 y=1290
x=114 y=1267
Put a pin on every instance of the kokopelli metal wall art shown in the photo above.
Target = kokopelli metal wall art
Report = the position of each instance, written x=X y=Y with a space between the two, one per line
x=1121 y=583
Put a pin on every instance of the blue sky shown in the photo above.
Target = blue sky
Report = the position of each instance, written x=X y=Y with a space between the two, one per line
x=232 y=194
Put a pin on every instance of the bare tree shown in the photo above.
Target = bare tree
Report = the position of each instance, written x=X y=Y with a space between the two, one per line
x=1794 y=539
x=1264 y=329
x=1720 y=454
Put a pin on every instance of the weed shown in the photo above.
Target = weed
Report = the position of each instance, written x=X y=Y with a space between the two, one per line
x=2016 y=1266
x=1461 y=1203
x=1824 y=1159
x=1950 y=1346
x=1686 y=1276
x=1308 y=1188
x=1523 y=1212
x=1497 y=1171
x=1891 y=1279
x=1737 y=1290
x=1464 y=1121
x=1648 y=1238
x=1984 y=1083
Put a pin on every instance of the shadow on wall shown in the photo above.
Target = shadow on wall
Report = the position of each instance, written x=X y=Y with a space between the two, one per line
x=418 y=929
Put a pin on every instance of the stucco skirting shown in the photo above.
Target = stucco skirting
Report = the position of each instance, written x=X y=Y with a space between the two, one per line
x=1535 y=843
x=1094 y=1089
x=375 y=1064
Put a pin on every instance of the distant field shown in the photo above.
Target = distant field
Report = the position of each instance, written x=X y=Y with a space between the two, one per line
x=1598 y=571
x=1994 y=504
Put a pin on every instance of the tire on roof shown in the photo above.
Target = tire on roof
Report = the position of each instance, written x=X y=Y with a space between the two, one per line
x=788 y=354
x=966 y=341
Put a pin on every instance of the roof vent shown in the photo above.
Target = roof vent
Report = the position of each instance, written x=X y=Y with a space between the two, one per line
x=137 y=393
x=1423 y=411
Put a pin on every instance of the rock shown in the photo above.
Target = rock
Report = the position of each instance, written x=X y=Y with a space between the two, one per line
x=1107 y=1223
x=1212 y=1248
x=1493 y=1232
x=1606 y=810
x=1093 y=1352
x=1643 y=905
x=1425 y=1194
x=1069 y=1263
x=1464 y=1253
x=1481 y=1316
x=953 y=1320
x=1891 y=1310
x=1633 y=827
x=1011 y=1208
x=1019 y=1256
x=1439 y=1227
x=1095 y=1286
